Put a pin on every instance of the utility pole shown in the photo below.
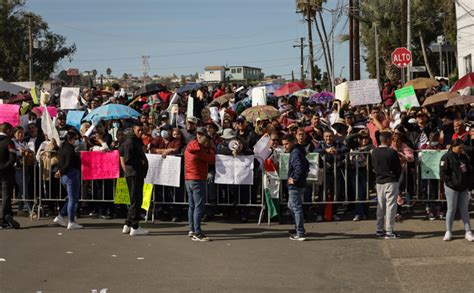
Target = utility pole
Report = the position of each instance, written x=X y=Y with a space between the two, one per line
x=409 y=36
x=351 y=40
x=310 y=43
x=355 y=37
x=146 y=68
x=301 y=46
x=377 y=62
x=30 y=50
x=292 y=76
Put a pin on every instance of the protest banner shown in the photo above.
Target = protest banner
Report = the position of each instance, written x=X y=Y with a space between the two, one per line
x=10 y=113
x=68 y=98
x=53 y=112
x=100 y=165
x=342 y=92
x=190 y=109
x=406 y=98
x=234 y=170
x=34 y=95
x=430 y=160
x=147 y=192
x=364 y=92
x=122 y=196
x=262 y=148
x=259 y=96
x=74 y=118
x=313 y=159
x=163 y=171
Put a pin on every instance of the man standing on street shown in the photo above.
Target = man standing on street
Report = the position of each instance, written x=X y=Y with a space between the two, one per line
x=387 y=169
x=297 y=173
x=7 y=176
x=197 y=157
x=135 y=166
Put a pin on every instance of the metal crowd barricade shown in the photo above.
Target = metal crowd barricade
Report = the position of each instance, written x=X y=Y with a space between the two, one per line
x=29 y=195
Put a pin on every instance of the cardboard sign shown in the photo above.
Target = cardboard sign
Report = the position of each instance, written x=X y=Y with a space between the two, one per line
x=364 y=92
x=342 y=92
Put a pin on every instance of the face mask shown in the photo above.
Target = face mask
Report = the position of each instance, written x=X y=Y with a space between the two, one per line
x=76 y=143
x=434 y=143
x=32 y=121
x=165 y=134
x=116 y=125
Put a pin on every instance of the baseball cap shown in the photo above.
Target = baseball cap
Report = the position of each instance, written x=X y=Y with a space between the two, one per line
x=192 y=119
x=241 y=118
x=203 y=131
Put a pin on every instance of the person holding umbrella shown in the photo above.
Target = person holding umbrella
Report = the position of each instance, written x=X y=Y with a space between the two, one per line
x=456 y=173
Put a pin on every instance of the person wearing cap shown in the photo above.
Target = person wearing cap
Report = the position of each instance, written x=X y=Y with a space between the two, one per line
x=197 y=157
x=315 y=129
x=246 y=134
x=419 y=133
x=189 y=133
x=212 y=129
x=456 y=173
x=62 y=127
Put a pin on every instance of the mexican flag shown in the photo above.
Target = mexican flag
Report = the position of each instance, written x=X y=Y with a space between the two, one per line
x=271 y=187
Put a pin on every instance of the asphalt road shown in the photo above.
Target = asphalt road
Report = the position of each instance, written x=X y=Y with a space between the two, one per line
x=338 y=257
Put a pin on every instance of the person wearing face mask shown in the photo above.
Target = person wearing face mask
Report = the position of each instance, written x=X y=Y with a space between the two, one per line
x=69 y=172
x=165 y=144
x=456 y=173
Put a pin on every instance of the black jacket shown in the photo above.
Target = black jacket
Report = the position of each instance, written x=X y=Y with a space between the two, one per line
x=249 y=139
x=338 y=158
x=68 y=158
x=136 y=162
x=456 y=171
x=386 y=164
x=298 y=168
x=7 y=157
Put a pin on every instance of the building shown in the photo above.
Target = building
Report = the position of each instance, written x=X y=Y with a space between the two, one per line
x=214 y=74
x=243 y=73
x=465 y=36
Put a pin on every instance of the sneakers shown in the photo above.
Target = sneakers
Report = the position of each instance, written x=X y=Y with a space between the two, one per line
x=319 y=218
x=431 y=216
x=126 y=229
x=336 y=218
x=380 y=234
x=74 y=226
x=357 y=218
x=201 y=237
x=469 y=237
x=138 y=232
x=190 y=234
x=297 y=238
x=448 y=236
x=392 y=235
x=12 y=223
x=60 y=221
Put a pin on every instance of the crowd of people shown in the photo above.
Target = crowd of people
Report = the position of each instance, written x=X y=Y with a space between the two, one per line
x=345 y=137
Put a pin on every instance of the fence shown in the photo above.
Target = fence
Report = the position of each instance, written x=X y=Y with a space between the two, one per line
x=340 y=180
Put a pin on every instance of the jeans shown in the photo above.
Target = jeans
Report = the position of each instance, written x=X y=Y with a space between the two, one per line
x=135 y=189
x=196 y=190
x=386 y=205
x=23 y=188
x=72 y=182
x=455 y=200
x=295 y=204
x=359 y=184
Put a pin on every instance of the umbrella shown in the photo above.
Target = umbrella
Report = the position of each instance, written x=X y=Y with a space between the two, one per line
x=112 y=111
x=221 y=100
x=149 y=89
x=422 y=83
x=260 y=111
x=19 y=98
x=190 y=86
x=304 y=93
x=11 y=88
x=321 y=98
x=289 y=88
x=460 y=100
x=438 y=98
x=465 y=81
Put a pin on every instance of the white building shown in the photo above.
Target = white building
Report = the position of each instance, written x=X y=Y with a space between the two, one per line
x=465 y=35
x=214 y=74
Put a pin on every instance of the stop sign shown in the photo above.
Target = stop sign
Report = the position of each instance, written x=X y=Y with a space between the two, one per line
x=401 y=57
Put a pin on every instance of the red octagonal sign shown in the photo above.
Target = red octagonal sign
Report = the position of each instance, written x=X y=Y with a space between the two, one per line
x=401 y=57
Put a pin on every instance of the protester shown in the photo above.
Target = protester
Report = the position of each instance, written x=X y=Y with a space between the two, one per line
x=197 y=158
x=297 y=174
x=456 y=173
x=387 y=169
x=134 y=164
x=69 y=172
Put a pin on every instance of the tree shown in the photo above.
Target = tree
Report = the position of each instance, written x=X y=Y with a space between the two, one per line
x=14 y=63
x=108 y=71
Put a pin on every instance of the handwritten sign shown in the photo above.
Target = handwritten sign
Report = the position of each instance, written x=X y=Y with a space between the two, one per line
x=165 y=171
x=10 y=113
x=284 y=164
x=364 y=92
x=342 y=92
x=147 y=192
x=68 y=98
x=234 y=170
x=74 y=118
x=122 y=196
x=430 y=160
x=406 y=98
x=53 y=112
x=259 y=96
x=100 y=165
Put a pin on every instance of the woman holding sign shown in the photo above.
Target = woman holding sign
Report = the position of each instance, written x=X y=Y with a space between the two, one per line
x=455 y=171
x=69 y=172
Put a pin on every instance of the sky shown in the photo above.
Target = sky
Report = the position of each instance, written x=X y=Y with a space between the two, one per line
x=184 y=36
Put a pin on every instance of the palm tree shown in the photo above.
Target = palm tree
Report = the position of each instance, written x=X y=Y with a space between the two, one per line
x=109 y=72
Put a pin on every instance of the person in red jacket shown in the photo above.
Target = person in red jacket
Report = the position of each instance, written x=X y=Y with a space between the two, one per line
x=197 y=158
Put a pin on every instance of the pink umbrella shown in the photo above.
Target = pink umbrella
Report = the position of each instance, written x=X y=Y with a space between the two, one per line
x=289 y=88
x=464 y=82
